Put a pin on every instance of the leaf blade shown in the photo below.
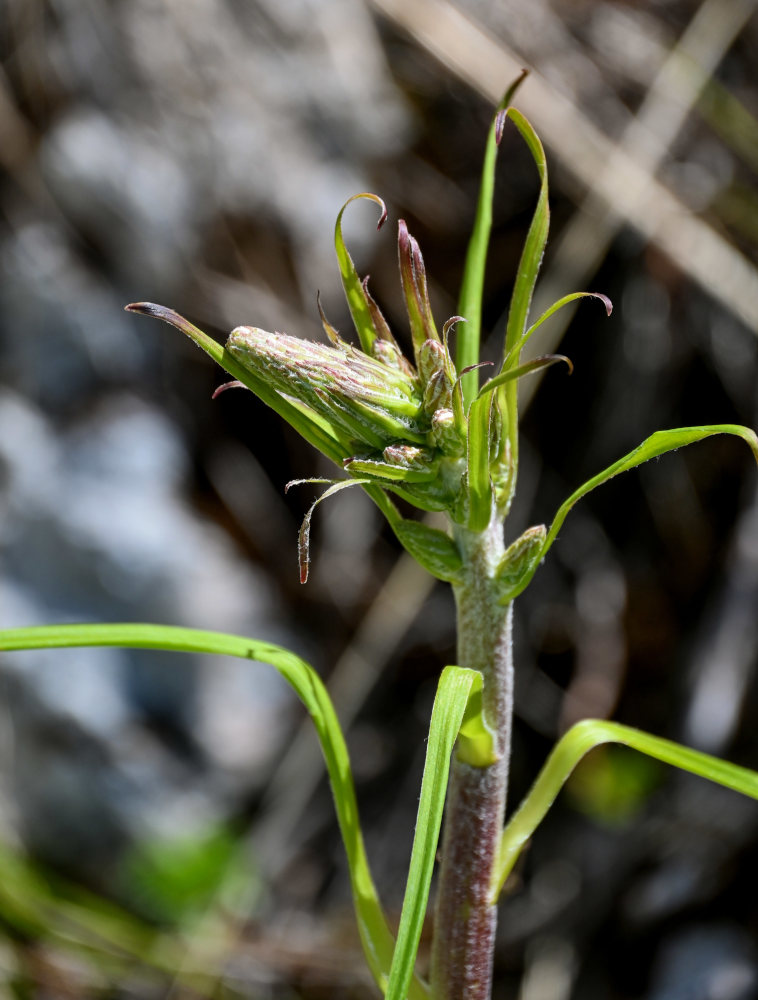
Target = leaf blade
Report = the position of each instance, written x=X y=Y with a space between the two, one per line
x=564 y=301
x=478 y=467
x=569 y=751
x=450 y=703
x=536 y=238
x=376 y=937
x=355 y=293
x=312 y=428
x=652 y=447
x=472 y=284
x=431 y=548
x=513 y=374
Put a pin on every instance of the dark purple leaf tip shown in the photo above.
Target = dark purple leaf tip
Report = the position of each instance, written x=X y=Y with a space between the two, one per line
x=147 y=309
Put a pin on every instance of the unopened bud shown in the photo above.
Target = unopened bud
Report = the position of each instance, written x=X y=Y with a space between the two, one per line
x=444 y=432
x=519 y=562
x=436 y=375
x=366 y=402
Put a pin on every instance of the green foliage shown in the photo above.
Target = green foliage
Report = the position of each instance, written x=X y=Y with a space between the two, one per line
x=479 y=479
x=657 y=444
x=431 y=548
x=515 y=351
x=476 y=742
x=472 y=284
x=376 y=938
x=177 y=878
x=314 y=429
x=356 y=294
x=424 y=433
x=520 y=561
x=453 y=693
x=573 y=746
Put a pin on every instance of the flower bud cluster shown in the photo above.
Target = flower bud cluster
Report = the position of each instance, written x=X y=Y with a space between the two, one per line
x=399 y=424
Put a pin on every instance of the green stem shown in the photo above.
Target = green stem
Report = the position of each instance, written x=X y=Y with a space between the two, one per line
x=465 y=916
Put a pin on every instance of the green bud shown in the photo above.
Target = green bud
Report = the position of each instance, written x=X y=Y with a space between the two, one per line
x=445 y=433
x=436 y=374
x=519 y=562
x=368 y=403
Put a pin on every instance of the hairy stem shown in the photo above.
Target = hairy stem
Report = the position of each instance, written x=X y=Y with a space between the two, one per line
x=465 y=916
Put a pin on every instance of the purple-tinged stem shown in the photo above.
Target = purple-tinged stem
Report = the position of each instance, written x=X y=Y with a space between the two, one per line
x=465 y=915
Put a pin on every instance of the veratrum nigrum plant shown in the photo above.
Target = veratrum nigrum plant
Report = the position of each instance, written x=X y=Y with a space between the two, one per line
x=422 y=429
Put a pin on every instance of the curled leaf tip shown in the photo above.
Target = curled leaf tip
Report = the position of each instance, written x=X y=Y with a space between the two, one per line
x=370 y=197
x=167 y=315
x=450 y=323
x=147 y=309
x=606 y=302
x=234 y=384
x=554 y=358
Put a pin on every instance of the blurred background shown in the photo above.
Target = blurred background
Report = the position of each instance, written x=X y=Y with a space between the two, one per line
x=165 y=826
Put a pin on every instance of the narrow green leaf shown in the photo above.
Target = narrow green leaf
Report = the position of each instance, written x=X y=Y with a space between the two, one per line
x=478 y=472
x=516 y=349
x=354 y=290
x=472 y=285
x=449 y=707
x=657 y=444
x=534 y=246
x=376 y=937
x=567 y=753
x=526 y=276
x=431 y=548
x=513 y=374
x=307 y=423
